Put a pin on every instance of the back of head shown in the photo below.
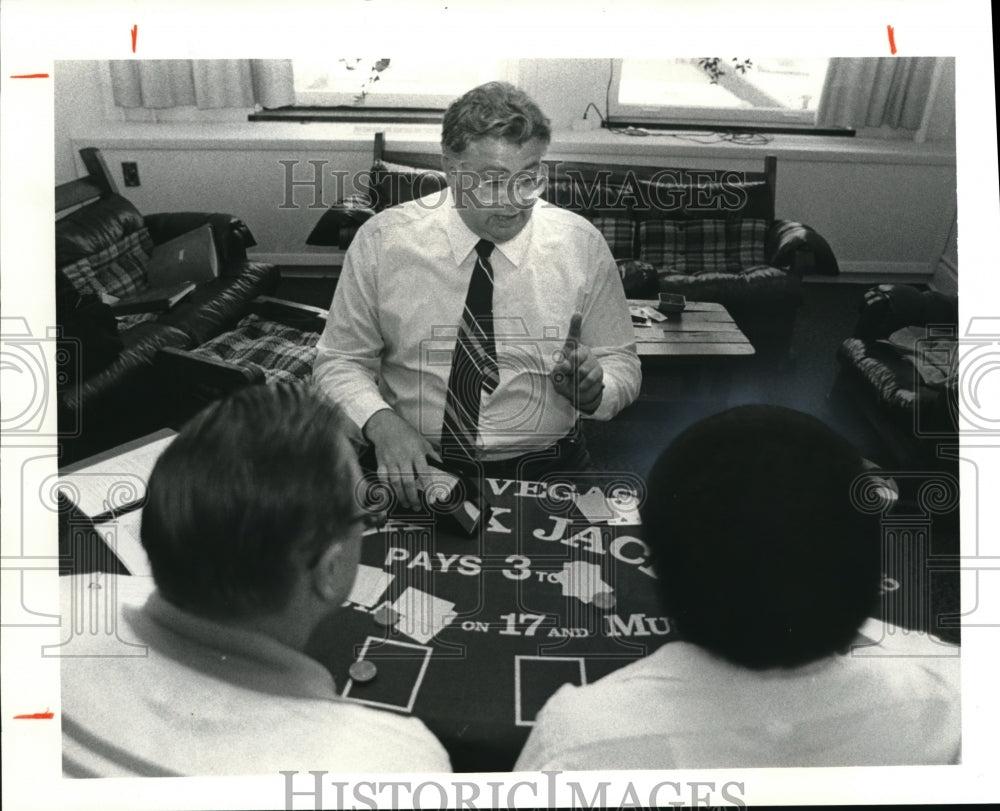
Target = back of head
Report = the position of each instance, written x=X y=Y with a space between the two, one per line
x=493 y=110
x=761 y=554
x=252 y=484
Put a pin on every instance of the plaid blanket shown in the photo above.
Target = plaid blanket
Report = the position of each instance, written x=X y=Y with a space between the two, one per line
x=281 y=352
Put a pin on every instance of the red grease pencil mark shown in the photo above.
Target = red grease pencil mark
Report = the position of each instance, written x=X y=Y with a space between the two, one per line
x=45 y=716
x=31 y=76
x=892 y=39
x=135 y=33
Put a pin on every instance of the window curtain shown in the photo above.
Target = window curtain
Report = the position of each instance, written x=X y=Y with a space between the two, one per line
x=877 y=92
x=203 y=83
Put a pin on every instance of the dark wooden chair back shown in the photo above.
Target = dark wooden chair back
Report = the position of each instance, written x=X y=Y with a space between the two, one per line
x=96 y=184
x=598 y=189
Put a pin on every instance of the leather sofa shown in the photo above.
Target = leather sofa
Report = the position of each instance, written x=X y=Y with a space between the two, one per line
x=107 y=390
x=708 y=235
x=900 y=370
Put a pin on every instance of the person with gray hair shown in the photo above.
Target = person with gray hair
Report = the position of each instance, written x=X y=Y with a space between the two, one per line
x=252 y=526
x=474 y=327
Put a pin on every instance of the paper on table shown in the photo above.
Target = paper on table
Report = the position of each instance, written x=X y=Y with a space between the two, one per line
x=113 y=483
x=122 y=537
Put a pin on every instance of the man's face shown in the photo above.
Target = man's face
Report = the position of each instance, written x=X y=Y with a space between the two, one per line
x=500 y=214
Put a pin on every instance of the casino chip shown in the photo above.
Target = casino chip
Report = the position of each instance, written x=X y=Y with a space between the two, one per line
x=604 y=600
x=386 y=616
x=362 y=671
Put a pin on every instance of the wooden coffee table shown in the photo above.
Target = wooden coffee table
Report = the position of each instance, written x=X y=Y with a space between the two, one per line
x=703 y=329
x=691 y=355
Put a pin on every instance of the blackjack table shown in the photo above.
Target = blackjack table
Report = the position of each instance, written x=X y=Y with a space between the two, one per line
x=470 y=612
x=472 y=628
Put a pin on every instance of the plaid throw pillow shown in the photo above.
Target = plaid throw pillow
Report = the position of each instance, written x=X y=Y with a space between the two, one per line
x=279 y=351
x=618 y=232
x=663 y=243
x=745 y=244
x=81 y=275
x=704 y=245
x=119 y=269
x=699 y=246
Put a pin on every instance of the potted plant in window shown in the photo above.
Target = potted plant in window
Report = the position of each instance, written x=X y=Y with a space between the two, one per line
x=374 y=74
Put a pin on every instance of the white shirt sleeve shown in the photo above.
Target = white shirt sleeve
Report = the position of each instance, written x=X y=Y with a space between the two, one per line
x=607 y=330
x=349 y=351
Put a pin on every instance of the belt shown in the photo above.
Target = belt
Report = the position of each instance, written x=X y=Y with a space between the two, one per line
x=496 y=454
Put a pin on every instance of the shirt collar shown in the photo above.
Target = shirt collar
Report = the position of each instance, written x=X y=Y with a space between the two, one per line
x=236 y=655
x=463 y=241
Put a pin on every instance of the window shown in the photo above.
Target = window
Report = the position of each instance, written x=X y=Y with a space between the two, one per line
x=404 y=82
x=720 y=92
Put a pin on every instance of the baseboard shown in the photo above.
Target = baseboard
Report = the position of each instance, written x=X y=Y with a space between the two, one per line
x=876 y=273
x=892 y=270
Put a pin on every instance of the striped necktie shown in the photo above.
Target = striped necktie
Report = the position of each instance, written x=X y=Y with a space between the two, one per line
x=474 y=363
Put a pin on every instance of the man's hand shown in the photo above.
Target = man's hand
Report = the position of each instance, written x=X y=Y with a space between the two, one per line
x=577 y=375
x=402 y=453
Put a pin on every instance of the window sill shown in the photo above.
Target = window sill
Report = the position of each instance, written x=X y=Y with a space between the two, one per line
x=360 y=113
x=592 y=145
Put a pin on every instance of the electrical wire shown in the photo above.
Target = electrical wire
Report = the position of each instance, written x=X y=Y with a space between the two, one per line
x=715 y=137
x=709 y=137
x=587 y=109
x=607 y=90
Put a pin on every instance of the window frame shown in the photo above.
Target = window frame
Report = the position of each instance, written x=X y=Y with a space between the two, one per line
x=383 y=101
x=771 y=119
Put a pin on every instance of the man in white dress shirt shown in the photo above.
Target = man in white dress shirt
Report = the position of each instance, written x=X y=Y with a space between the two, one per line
x=768 y=571
x=559 y=339
x=253 y=531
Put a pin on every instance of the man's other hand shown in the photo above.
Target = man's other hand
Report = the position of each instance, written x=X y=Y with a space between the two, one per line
x=401 y=453
x=577 y=375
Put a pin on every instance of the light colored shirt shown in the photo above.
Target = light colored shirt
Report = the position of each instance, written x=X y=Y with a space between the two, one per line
x=891 y=703
x=394 y=322
x=167 y=693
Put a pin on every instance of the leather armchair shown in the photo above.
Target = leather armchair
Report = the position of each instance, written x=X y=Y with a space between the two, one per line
x=900 y=370
x=109 y=392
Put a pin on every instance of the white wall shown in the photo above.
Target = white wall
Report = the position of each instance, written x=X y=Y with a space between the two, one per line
x=79 y=107
x=886 y=207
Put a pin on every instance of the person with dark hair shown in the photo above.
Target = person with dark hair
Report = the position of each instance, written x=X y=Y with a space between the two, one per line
x=768 y=571
x=475 y=326
x=252 y=526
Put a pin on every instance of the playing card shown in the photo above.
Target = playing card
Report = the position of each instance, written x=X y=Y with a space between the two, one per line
x=625 y=506
x=593 y=505
x=369 y=585
x=422 y=615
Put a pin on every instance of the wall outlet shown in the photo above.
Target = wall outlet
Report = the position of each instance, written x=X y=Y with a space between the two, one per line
x=130 y=171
